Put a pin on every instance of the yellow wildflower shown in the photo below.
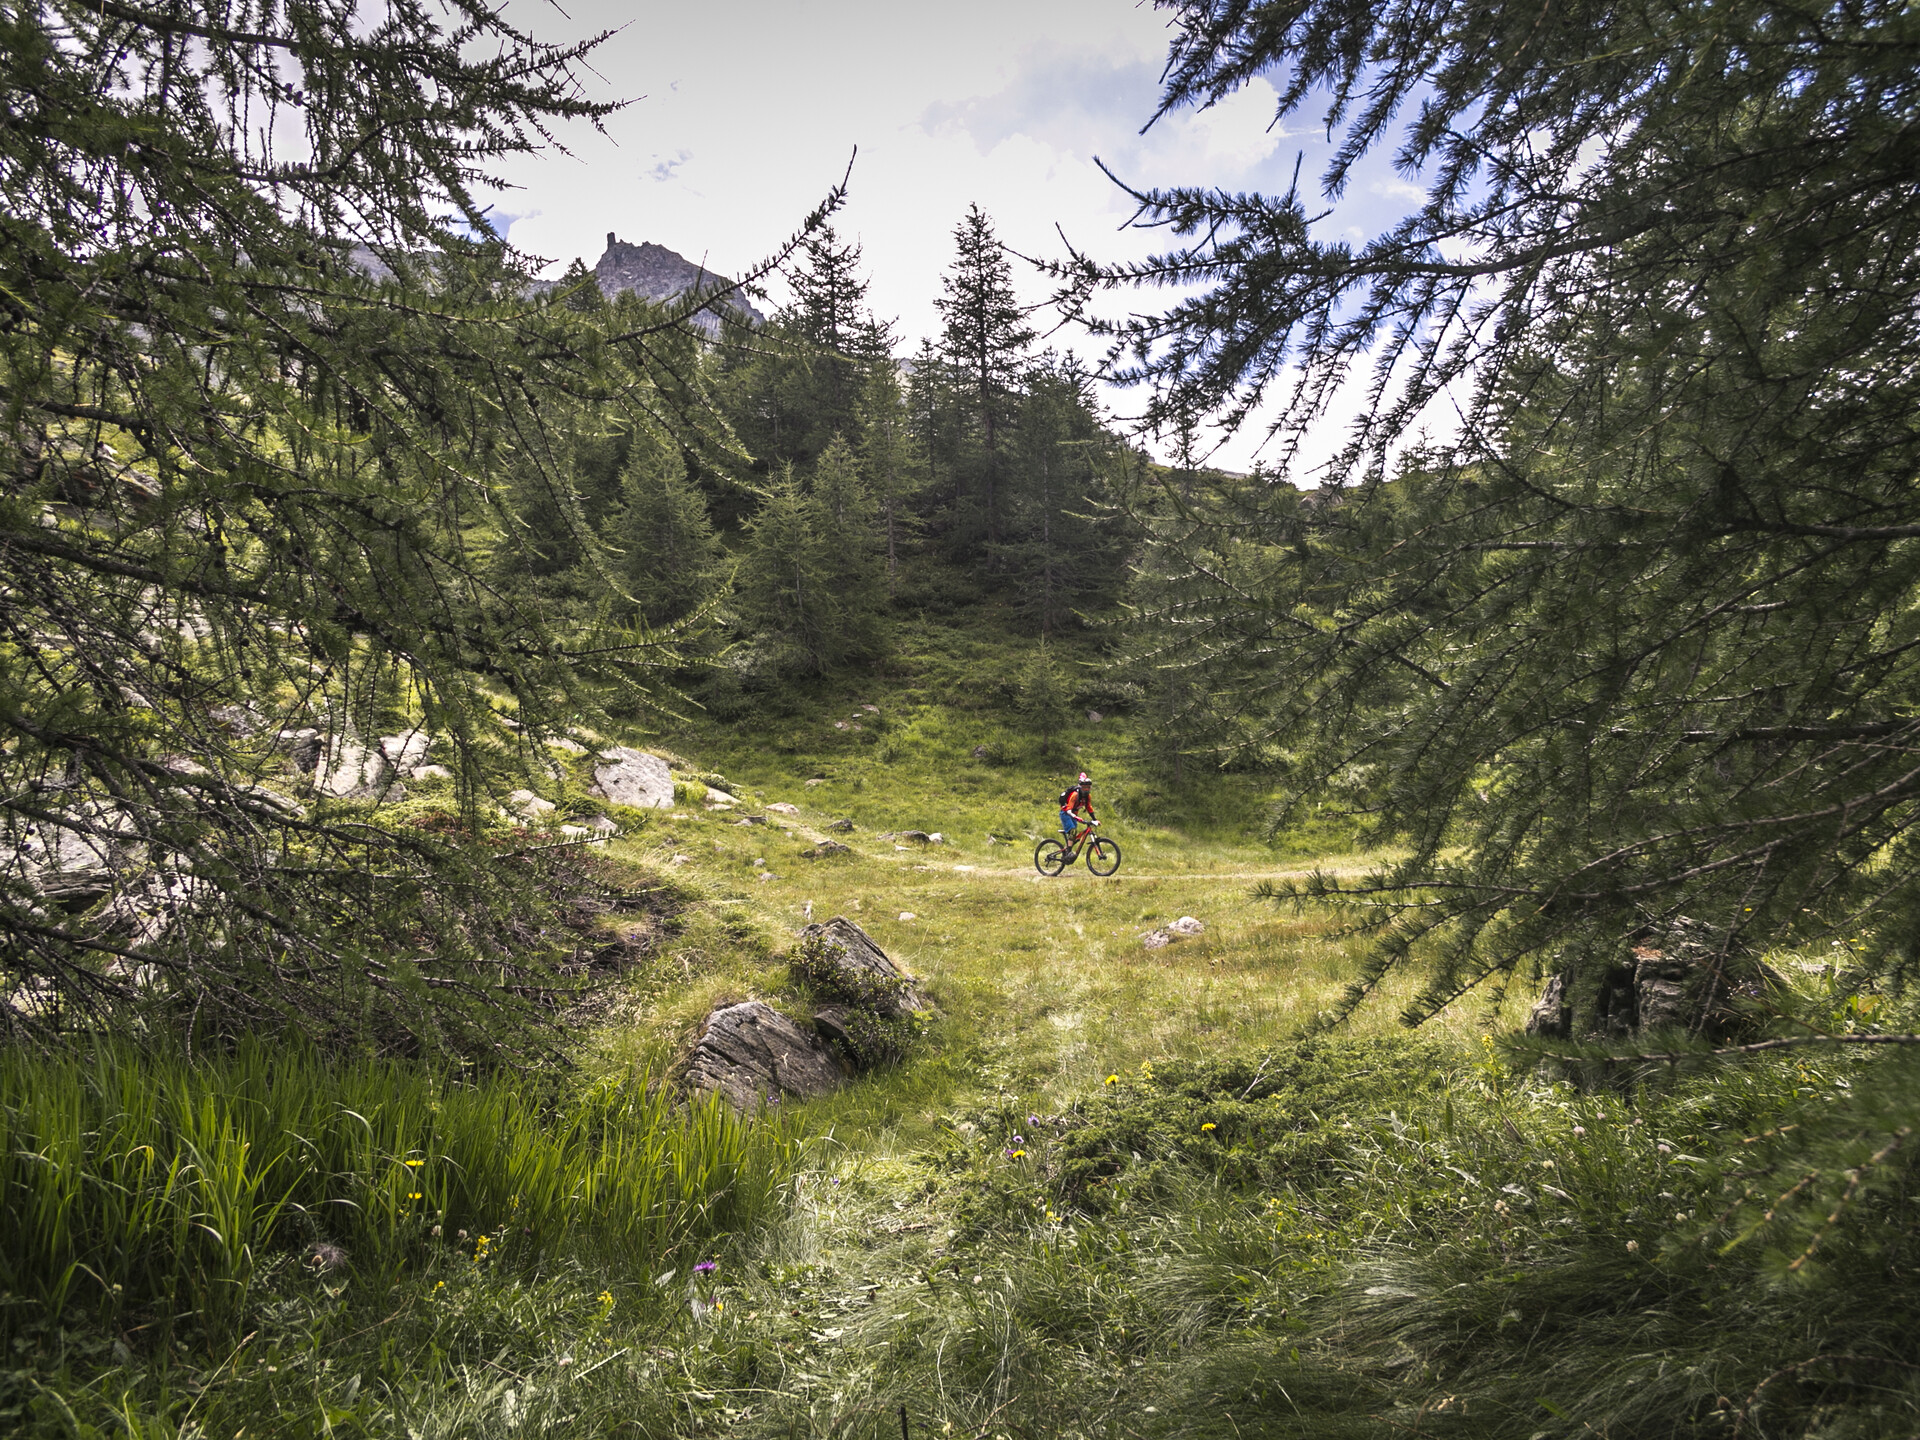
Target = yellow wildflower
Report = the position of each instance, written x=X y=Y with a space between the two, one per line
x=415 y=1164
x=1208 y=1126
x=1113 y=1079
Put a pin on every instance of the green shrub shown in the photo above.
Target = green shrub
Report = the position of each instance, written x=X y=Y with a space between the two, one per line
x=876 y=1038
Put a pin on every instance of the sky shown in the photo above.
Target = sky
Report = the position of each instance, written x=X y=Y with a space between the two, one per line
x=744 y=113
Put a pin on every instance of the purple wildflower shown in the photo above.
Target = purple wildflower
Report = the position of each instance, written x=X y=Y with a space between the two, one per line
x=706 y=1267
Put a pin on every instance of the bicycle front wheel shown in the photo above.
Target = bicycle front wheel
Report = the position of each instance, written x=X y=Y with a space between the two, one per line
x=1050 y=857
x=1103 y=856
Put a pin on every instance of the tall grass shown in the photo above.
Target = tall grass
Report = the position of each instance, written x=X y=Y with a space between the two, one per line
x=157 y=1187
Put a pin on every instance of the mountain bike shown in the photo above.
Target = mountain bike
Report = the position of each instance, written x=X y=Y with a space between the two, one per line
x=1050 y=856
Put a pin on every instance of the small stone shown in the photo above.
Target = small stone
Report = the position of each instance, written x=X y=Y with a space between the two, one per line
x=980 y=752
x=680 y=860
x=817 y=780
x=766 y=875
x=566 y=746
x=839 y=724
x=528 y=804
x=751 y=820
x=430 y=772
x=908 y=915
x=826 y=848
x=964 y=869
x=854 y=726
x=1095 y=717
x=1156 y=939
x=1185 y=925
x=781 y=807
x=871 y=709
x=936 y=838
x=840 y=825
x=605 y=826
x=919 y=837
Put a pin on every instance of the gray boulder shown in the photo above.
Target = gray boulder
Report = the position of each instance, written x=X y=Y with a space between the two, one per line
x=1683 y=976
x=405 y=752
x=752 y=1054
x=624 y=776
x=77 y=858
x=852 y=949
x=352 y=770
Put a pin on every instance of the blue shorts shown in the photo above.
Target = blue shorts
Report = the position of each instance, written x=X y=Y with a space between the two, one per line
x=1068 y=825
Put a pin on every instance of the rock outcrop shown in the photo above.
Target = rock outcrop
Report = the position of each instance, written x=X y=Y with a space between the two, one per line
x=1681 y=977
x=752 y=1054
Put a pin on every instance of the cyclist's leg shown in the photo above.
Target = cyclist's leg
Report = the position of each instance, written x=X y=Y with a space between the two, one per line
x=1068 y=825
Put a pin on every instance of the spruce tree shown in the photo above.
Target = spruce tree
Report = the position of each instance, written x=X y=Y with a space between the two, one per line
x=664 y=537
x=984 y=337
x=808 y=583
x=890 y=460
x=849 y=534
x=1060 y=551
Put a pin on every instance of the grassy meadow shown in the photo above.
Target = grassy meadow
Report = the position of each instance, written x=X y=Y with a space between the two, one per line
x=1112 y=1190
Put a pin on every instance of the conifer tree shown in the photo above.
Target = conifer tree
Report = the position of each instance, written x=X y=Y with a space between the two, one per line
x=1044 y=701
x=1058 y=553
x=665 y=539
x=801 y=380
x=264 y=410
x=890 y=462
x=984 y=337
x=808 y=590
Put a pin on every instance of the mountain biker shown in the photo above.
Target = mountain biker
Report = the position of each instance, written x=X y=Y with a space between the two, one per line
x=1077 y=800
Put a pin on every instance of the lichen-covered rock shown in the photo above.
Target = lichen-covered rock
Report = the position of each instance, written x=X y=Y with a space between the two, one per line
x=852 y=949
x=352 y=770
x=783 y=808
x=632 y=777
x=752 y=1054
x=405 y=752
x=840 y=825
x=826 y=848
x=529 y=806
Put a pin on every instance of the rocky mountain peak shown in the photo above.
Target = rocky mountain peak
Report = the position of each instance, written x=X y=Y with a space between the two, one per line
x=654 y=272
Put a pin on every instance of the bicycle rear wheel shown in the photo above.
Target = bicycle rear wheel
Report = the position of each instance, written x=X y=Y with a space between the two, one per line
x=1103 y=856
x=1050 y=857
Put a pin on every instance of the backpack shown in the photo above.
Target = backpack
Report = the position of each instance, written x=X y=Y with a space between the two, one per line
x=1066 y=795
